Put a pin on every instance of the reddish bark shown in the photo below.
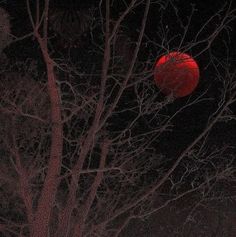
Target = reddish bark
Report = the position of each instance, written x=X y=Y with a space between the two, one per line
x=47 y=198
x=48 y=193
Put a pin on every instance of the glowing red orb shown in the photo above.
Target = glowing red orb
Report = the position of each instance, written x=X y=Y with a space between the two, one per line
x=176 y=73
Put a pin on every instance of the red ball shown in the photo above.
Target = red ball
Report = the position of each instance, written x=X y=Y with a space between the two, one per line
x=176 y=73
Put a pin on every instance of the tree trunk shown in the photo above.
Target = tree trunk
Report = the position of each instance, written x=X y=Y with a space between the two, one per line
x=47 y=197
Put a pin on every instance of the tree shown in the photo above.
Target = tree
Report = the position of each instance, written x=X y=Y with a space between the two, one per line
x=83 y=145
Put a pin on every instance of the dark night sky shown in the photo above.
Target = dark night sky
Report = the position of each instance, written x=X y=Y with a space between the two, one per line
x=196 y=117
x=193 y=120
x=187 y=125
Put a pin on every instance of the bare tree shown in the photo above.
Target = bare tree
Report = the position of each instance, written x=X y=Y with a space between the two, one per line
x=82 y=144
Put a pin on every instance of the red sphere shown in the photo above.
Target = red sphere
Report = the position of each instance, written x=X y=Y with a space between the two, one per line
x=176 y=73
